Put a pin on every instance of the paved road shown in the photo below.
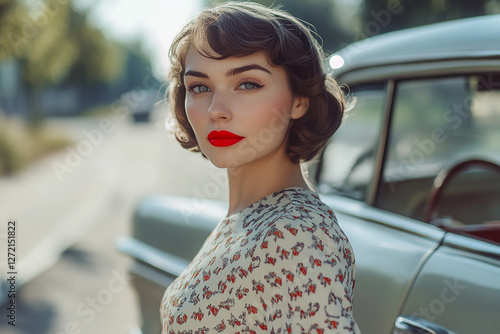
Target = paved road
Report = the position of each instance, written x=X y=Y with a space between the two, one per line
x=86 y=290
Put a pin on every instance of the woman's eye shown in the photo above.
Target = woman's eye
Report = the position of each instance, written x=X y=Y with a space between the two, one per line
x=249 y=85
x=199 y=89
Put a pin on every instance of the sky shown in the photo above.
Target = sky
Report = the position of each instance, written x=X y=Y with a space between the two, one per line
x=153 y=22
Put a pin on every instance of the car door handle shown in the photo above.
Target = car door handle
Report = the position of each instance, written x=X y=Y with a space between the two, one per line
x=416 y=325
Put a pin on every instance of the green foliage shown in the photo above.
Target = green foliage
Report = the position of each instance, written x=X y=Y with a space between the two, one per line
x=14 y=146
x=380 y=16
x=99 y=59
x=340 y=23
x=52 y=39
x=12 y=16
x=52 y=42
x=318 y=13
x=51 y=52
x=20 y=145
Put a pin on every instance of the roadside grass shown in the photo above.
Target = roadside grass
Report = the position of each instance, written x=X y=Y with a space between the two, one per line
x=99 y=111
x=21 y=145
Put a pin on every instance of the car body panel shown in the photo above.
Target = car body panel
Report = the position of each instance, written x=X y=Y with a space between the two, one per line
x=459 y=287
x=167 y=233
x=188 y=221
x=389 y=253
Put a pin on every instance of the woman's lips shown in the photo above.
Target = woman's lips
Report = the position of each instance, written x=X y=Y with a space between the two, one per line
x=223 y=138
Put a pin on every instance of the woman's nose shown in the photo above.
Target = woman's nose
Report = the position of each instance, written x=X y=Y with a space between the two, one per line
x=219 y=108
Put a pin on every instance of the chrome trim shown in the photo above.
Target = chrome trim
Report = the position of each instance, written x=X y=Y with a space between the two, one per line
x=147 y=272
x=415 y=325
x=413 y=280
x=420 y=59
x=471 y=245
x=418 y=70
x=139 y=250
x=360 y=210
x=405 y=325
x=382 y=144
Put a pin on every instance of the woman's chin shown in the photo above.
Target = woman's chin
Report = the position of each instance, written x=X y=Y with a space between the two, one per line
x=219 y=163
x=226 y=162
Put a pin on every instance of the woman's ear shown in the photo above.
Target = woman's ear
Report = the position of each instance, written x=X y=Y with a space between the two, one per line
x=300 y=106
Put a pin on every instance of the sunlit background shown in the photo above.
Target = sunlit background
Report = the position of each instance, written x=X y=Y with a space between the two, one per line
x=84 y=135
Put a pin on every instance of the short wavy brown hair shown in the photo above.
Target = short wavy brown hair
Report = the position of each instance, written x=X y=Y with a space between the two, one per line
x=241 y=29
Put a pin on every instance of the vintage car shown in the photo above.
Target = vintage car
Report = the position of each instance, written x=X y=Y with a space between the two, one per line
x=413 y=176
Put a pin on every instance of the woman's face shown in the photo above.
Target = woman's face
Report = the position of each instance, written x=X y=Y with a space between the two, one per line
x=240 y=108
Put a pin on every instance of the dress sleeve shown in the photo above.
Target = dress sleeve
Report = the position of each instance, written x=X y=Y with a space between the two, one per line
x=306 y=274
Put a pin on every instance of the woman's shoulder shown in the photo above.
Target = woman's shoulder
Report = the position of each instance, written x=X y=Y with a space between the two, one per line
x=304 y=208
x=297 y=215
x=285 y=202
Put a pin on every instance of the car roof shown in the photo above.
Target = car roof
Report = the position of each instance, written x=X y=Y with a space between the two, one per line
x=452 y=41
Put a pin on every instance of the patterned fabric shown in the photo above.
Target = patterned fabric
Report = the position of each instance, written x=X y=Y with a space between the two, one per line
x=282 y=265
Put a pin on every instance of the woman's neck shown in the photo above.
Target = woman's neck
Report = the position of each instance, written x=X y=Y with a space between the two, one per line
x=252 y=182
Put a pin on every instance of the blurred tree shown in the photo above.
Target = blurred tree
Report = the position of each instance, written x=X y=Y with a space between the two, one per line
x=12 y=16
x=380 y=16
x=99 y=59
x=341 y=22
x=53 y=41
x=319 y=13
x=137 y=68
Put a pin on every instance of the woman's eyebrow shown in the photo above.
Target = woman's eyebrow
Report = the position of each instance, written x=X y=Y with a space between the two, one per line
x=231 y=72
x=245 y=68
x=196 y=74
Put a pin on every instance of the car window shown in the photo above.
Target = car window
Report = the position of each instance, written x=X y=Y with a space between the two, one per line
x=435 y=122
x=348 y=160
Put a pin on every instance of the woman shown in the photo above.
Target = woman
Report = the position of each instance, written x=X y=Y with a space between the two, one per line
x=248 y=90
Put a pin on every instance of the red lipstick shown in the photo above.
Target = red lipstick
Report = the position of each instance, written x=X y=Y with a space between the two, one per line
x=223 y=138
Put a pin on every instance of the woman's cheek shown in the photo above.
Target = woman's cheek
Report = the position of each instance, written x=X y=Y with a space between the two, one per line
x=194 y=114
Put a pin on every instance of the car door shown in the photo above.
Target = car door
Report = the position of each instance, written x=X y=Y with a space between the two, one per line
x=389 y=252
x=389 y=248
x=458 y=288
x=438 y=124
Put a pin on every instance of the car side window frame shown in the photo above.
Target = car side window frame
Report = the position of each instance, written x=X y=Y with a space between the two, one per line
x=383 y=143
x=372 y=186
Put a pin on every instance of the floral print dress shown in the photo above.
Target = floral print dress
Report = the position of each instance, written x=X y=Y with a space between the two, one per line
x=282 y=265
